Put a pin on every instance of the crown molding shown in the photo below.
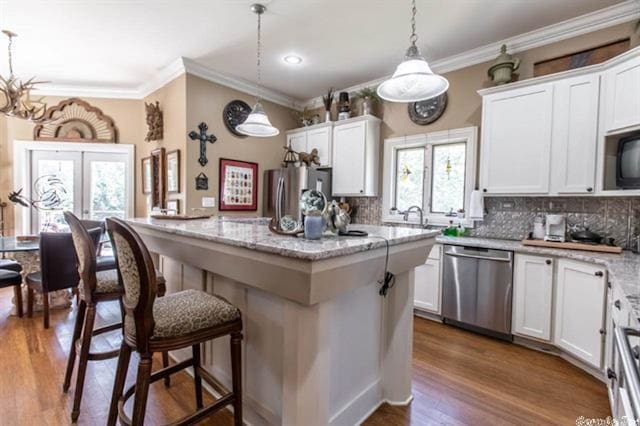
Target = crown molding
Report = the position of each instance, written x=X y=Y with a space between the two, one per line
x=71 y=90
x=626 y=11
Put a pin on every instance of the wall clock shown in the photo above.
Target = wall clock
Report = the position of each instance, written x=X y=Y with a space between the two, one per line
x=235 y=113
x=427 y=111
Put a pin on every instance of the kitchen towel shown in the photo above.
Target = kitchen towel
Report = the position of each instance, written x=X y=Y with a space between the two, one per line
x=476 y=209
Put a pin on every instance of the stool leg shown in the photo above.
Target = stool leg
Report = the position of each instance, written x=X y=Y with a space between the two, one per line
x=118 y=384
x=29 y=302
x=77 y=329
x=45 y=308
x=197 y=380
x=236 y=373
x=84 y=359
x=142 y=391
x=17 y=291
x=165 y=363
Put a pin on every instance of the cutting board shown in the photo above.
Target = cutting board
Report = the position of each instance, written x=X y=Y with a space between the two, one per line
x=602 y=248
x=180 y=216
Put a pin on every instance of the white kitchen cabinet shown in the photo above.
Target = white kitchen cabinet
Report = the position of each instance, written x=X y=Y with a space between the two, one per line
x=428 y=282
x=621 y=91
x=318 y=136
x=579 y=312
x=532 y=296
x=355 y=157
x=516 y=140
x=574 y=138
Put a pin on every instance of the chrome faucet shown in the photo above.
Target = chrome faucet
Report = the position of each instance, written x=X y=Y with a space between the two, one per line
x=405 y=214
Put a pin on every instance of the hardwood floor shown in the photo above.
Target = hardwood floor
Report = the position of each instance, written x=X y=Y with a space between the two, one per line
x=459 y=379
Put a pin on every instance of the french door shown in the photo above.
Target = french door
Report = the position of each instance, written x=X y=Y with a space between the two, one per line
x=93 y=185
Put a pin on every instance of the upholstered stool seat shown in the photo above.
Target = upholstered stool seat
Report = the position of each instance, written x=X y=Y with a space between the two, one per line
x=105 y=263
x=12 y=279
x=11 y=265
x=187 y=312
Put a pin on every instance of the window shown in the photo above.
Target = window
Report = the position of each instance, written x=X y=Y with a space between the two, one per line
x=435 y=171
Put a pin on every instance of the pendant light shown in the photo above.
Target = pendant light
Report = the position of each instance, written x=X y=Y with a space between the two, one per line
x=413 y=80
x=257 y=123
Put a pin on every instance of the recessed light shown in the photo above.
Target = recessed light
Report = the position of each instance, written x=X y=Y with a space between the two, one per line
x=292 y=59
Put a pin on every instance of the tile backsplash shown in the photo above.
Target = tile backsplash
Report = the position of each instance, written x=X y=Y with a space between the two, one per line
x=512 y=218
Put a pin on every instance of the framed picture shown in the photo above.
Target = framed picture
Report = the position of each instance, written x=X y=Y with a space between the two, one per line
x=173 y=206
x=238 y=185
x=580 y=59
x=158 y=178
x=147 y=175
x=173 y=171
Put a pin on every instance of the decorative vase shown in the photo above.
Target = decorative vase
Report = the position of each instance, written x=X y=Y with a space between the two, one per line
x=503 y=67
x=327 y=116
x=313 y=227
x=367 y=106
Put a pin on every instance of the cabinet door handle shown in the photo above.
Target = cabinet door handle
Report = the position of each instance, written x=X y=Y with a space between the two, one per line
x=601 y=331
x=617 y=304
x=484 y=189
x=636 y=352
x=361 y=191
x=599 y=274
x=548 y=261
x=608 y=284
x=589 y=189
x=611 y=374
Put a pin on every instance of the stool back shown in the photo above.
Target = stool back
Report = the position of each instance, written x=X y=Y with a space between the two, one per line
x=85 y=242
x=138 y=277
x=58 y=260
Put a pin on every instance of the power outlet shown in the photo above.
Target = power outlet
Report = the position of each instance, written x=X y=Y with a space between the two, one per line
x=208 y=201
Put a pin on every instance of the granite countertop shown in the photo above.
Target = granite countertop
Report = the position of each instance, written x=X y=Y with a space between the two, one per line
x=254 y=234
x=624 y=269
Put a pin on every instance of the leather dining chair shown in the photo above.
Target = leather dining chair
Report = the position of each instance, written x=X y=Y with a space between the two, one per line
x=58 y=268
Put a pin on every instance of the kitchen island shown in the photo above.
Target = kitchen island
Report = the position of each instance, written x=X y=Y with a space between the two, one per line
x=321 y=345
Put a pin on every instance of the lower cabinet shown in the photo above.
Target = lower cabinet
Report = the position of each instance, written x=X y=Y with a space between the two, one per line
x=427 y=281
x=532 y=296
x=580 y=308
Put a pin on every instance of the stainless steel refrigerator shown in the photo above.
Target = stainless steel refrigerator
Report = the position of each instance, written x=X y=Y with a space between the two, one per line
x=287 y=185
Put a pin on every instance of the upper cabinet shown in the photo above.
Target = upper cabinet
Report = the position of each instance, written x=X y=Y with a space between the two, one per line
x=355 y=156
x=541 y=136
x=318 y=136
x=516 y=141
x=622 y=95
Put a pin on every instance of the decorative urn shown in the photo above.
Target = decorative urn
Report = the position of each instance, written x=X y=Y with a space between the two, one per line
x=503 y=67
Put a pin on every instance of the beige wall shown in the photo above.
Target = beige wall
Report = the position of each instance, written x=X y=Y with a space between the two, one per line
x=205 y=102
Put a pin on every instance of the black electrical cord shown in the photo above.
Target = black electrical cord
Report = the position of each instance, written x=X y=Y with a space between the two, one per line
x=389 y=279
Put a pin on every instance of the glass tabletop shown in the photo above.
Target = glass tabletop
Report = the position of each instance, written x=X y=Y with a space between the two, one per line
x=9 y=244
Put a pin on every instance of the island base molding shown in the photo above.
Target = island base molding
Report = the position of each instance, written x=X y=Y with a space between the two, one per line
x=327 y=363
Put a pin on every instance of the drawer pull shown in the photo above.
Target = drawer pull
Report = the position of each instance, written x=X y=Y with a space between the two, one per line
x=636 y=352
x=601 y=331
x=611 y=374
x=608 y=284
x=589 y=189
x=599 y=274
x=548 y=261
x=617 y=304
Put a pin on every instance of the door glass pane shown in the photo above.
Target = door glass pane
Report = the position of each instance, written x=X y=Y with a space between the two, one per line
x=409 y=178
x=107 y=194
x=53 y=193
x=447 y=191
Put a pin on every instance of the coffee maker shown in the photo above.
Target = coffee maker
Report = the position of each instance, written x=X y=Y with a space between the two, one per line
x=556 y=228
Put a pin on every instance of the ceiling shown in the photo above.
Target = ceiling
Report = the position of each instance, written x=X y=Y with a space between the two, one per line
x=121 y=44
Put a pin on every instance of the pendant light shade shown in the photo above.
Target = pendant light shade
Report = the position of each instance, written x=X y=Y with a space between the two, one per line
x=413 y=80
x=257 y=123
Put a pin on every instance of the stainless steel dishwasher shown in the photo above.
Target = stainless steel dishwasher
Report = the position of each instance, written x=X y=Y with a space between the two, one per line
x=477 y=286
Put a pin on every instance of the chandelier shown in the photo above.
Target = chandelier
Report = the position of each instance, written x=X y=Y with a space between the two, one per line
x=17 y=94
x=413 y=80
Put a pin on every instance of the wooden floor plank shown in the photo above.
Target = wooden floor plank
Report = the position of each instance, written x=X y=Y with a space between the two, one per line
x=460 y=378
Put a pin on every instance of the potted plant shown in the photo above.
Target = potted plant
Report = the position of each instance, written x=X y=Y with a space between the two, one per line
x=368 y=96
x=327 y=100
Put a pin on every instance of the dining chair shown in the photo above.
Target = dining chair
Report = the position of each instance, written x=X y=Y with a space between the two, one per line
x=179 y=320
x=13 y=279
x=95 y=287
x=103 y=262
x=58 y=268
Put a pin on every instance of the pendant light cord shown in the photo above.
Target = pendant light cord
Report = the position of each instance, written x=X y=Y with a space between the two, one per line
x=259 y=56
x=9 y=48
x=414 y=37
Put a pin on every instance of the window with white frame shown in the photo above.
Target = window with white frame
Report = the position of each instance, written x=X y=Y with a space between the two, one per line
x=434 y=171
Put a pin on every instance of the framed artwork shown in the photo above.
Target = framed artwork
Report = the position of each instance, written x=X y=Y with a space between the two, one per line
x=147 y=175
x=173 y=206
x=173 y=171
x=238 y=185
x=158 y=178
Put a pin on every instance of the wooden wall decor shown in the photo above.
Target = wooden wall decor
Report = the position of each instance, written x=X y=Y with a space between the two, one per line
x=76 y=120
x=581 y=59
x=158 y=178
x=154 y=122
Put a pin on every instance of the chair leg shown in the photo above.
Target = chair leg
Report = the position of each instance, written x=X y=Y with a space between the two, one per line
x=29 y=302
x=142 y=391
x=236 y=373
x=45 y=308
x=77 y=330
x=84 y=359
x=17 y=292
x=197 y=380
x=165 y=363
x=118 y=384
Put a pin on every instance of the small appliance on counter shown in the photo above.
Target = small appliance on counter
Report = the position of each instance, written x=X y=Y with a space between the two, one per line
x=556 y=228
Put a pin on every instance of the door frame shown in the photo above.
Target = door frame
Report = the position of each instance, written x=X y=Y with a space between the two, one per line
x=22 y=171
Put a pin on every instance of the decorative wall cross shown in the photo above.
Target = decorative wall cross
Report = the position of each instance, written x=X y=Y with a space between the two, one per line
x=203 y=138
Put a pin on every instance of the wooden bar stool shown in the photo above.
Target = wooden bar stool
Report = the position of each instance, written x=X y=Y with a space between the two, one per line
x=95 y=287
x=179 y=320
